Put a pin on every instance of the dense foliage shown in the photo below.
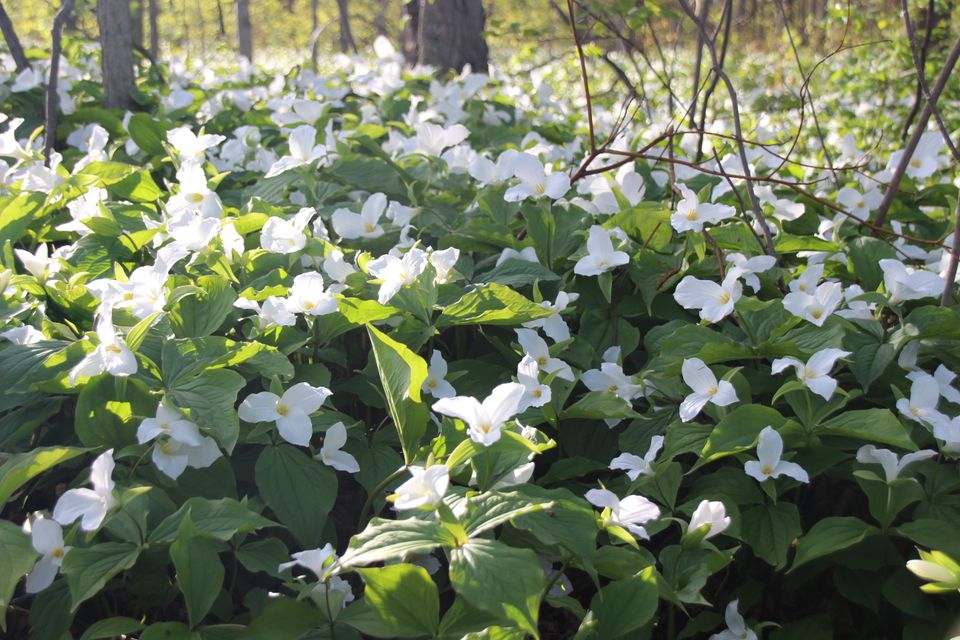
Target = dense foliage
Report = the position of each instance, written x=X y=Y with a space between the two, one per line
x=340 y=356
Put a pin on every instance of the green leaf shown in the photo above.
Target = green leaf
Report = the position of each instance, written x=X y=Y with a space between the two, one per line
x=865 y=255
x=517 y=273
x=17 y=214
x=211 y=397
x=405 y=599
x=402 y=373
x=623 y=606
x=491 y=304
x=869 y=361
x=16 y=560
x=872 y=425
x=299 y=490
x=89 y=569
x=770 y=529
x=932 y=534
x=108 y=415
x=493 y=508
x=21 y=467
x=199 y=572
x=147 y=133
x=596 y=405
x=202 y=314
x=219 y=518
x=738 y=431
x=111 y=628
x=284 y=619
x=384 y=540
x=263 y=555
x=830 y=535
x=502 y=580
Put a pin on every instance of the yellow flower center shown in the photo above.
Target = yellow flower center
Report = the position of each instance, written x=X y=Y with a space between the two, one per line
x=542 y=361
x=816 y=314
x=537 y=393
x=692 y=214
x=485 y=427
x=915 y=163
x=195 y=197
x=282 y=410
x=766 y=470
x=916 y=411
x=57 y=553
x=308 y=305
x=713 y=391
x=540 y=189
x=431 y=383
x=613 y=388
x=168 y=447
x=368 y=228
x=724 y=297
x=112 y=348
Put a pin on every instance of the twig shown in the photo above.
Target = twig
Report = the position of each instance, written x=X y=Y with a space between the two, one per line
x=583 y=75
x=13 y=42
x=927 y=37
x=951 y=275
x=53 y=98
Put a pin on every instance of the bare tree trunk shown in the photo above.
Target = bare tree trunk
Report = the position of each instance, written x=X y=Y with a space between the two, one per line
x=314 y=31
x=447 y=34
x=13 y=42
x=52 y=103
x=154 y=11
x=136 y=22
x=244 y=31
x=380 y=20
x=116 y=53
x=346 y=36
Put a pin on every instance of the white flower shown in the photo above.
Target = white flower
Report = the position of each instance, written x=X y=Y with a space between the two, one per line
x=90 y=505
x=634 y=465
x=859 y=204
x=948 y=430
x=527 y=254
x=629 y=513
x=432 y=139
x=698 y=376
x=366 y=224
x=331 y=453
x=534 y=182
x=610 y=377
x=536 y=347
x=291 y=412
x=922 y=405
x=630 y=184
x=715 y=301
x=484 y=419
x=769 y=464
x=336 y=267
x=275 y=311
x=892 y=465
x=436 y=384
x=46 y=537
x=600 y=256
x=856 y=308
x=111 y=355
x=280 y=235
x=189 y=145
x=925 y=158
x=710 y=515
x=443 y=262
x=304 y=150
x=691 y=215
x=38 y=263
x=814 y=374
x=397 y=272
x=181 y=444
x=426 y=488
x=815 y=308
x=749 y=267
x=195 y=195
x=316 y=560
x=783 y=208
x=535 y=394
x=487 y=172
x=191 y=231
x=737 y=628
x=944 y=378
x=554 y=325
x=308 y=296
x=22 y=335
x=906 y=283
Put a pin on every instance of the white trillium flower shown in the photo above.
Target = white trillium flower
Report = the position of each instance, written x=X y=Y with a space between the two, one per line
x=331 y=453
x=111 y=355
x=46 y=538
x=484 y=419
x=397 y=272
x=948 y=430
x=280 y=235
x=527 y=254
x=554 y=325
x=366 y=224
x=856 y=309
x=180 y=445
x=601 y=256
x=426 y=488
x=944 y=378
x=535 y=394
x=906 y=283
x=892 y=465
x=706 y=388
x=922 y=404
x=436 y=383
x=815 y=373
x=860 y=204
x=337 y=267
x=714 y=301
x=925 y=157
x=737 y=628
x=629 y=513
x=432 y=139
x=769 y=463
x=443 y=262
x=316 y=560
x=536 y=347
x=634 y=465
x=691 y=215
x=749 y=267
x=291 y=412
x=534 y=182
x=610 y=377
x=304 y=150
x=711 y=515
x=816 y=307
x=308 y=296
x=195 y=195
x=22 y=335
x=485 y=171
x=189 y=145
x=90 y=505
x=39 y=263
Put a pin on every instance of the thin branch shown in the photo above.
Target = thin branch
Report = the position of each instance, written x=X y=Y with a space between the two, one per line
x=13 y=42
x=53 y=98
x=951 y=275
x=583 y=75
x=927 y=37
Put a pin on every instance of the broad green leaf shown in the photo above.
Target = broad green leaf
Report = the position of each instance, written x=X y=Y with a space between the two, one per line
x=596 y=405
x=202 y=314
x=402 y=373
x=493 y=508
x=88 y=569
x=738 y=431
x=20 y=362
x=869 y=361
x=107 y=414
x=300 y=491
x=16 y=215
x=770 y=529
x=210 y=398
x=405 y=599
x=21 y=467
x=623 y=606
x=830 y=535
x=219 y=518
x=502 y=580
x=932 y=534
x=147 y=133
x=384 y=540
x=865 y=255
x=16 y=560
x=491 y=304
x=517 y=273
x=872 y=425
x=284 y=619
x=111 y=628
x=263 y=555
x=199 y=572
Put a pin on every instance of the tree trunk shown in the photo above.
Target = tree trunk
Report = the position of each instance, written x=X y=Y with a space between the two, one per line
x=346 y=37
x=116 y=53
x=380 y=20
x=136 y=22
x=13 y=42
x=447 y=34
x=314 y=31
x=244 y=32
x=154 y=16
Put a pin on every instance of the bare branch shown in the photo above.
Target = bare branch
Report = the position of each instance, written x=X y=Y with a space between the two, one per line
x=53 y=98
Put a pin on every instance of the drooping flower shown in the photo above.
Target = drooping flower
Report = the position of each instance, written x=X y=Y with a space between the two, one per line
x=332 y=454
x=629 y=513
x=892 y=465
x=90 y=505
x=737 y=628
x=291 y=412
x=46 y=538
x=425 y=488
x=706 y=388
x=601 y=256
x=769 y=463
x=709 y=519
x=634 y=465
x=815 y=373
x=484 y=419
